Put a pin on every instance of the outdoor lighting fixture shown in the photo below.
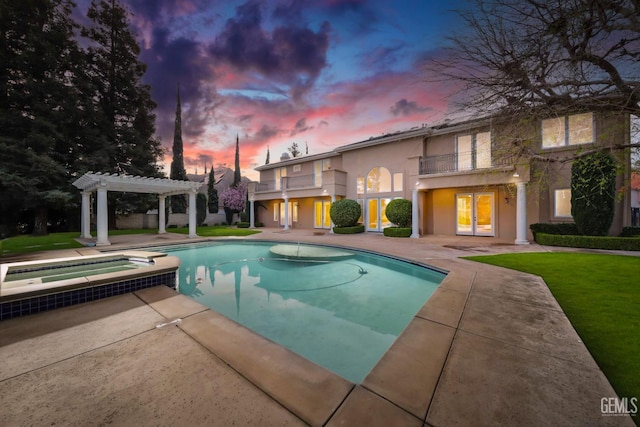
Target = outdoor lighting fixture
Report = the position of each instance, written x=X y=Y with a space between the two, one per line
x=506 y=200
x=516 y=174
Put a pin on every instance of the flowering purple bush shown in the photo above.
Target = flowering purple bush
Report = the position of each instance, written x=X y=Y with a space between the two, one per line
x=235 y=198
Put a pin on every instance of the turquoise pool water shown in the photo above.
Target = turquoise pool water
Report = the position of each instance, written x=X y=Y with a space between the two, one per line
x=342 y=312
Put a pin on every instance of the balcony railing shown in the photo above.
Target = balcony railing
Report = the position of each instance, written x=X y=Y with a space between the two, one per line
x=289 y=183
x=460 y=162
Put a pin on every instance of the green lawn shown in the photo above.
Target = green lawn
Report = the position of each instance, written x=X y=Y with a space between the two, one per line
x=24 y=244
x=600 y=295
x=215 y=231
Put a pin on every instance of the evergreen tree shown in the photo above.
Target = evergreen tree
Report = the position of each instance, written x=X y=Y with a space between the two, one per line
x=179 y=202
x=39 y=58
x=124 y=103
x=212 y=192
x=266 y=162
x=593 y=193
x=236 y=174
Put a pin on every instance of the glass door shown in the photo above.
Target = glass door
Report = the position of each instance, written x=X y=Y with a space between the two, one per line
x=483 y=217
x=475 y=214
x=464 y=209
x=376 y=215
x=322 y=218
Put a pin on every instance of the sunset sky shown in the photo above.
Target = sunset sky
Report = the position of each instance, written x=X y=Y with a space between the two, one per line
x=320 y=73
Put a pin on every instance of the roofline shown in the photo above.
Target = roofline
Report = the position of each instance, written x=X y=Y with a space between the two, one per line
x=425 y=131
x=296 y=160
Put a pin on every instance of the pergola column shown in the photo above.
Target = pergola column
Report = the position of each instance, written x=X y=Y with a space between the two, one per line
x=251 y=214
x=102 y=217
x=161 y=214
x=192 y=214
x=286 y=213
x=331 y=225
x=521 y=214
x=415 y=230
x=85 y=225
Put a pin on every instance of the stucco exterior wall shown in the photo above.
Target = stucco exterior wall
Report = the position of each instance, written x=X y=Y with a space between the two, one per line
x=397 y=157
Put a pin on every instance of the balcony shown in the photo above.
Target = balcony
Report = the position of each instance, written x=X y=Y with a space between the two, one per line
x=462 y=162
x=332 y=182
x=289 y=183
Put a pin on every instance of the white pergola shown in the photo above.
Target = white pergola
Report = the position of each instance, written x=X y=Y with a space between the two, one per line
x=102 y=183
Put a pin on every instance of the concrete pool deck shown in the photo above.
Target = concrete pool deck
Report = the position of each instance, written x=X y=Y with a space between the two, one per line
x=490 y=347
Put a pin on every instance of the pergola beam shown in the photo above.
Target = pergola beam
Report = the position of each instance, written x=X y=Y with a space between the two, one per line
x=103 y=183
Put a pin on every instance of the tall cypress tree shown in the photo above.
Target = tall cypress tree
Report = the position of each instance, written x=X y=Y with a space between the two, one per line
x=266 y=162
x=179 y=202
x=212 y=193
x=236 y=173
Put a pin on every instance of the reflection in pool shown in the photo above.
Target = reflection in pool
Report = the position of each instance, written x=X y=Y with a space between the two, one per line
x=342 y=312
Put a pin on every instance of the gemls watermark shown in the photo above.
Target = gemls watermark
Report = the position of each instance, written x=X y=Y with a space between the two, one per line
x=619 y=406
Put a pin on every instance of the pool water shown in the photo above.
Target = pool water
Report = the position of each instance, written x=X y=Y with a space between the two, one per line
x=340 y=312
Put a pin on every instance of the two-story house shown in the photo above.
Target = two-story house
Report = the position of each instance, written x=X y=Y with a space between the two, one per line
x=464 y=178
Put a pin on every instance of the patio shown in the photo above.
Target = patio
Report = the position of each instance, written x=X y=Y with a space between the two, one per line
x=490 y=347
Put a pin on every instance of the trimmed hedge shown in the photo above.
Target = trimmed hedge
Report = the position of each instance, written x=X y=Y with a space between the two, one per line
x=349 y=230
x=397 y=232
x=559 y=228
x=589 y=242
x=244 y=224
x=630 y=232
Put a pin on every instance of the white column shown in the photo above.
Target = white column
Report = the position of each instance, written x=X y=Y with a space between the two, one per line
x=251 y=215
x=333 y=199
x=85 y=224
x=286 y=213
x=415 y=230
x=103 y=217
x=192 y=214
x=161 y=214
x=521 y=214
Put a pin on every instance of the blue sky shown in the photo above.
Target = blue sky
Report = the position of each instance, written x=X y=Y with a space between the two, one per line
x=320 y=73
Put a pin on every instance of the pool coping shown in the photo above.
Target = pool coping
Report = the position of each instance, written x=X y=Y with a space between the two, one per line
x=490 y=345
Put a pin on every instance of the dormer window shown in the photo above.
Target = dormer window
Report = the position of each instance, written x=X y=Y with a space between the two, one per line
x=567 y=130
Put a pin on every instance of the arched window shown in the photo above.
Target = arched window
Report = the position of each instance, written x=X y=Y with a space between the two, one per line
x=378 y=180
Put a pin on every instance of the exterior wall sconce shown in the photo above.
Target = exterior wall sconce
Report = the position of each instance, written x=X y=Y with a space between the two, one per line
x=506 y=200
x=516 y=174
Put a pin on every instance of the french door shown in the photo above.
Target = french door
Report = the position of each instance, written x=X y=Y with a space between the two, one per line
x=321 y=209
x=376 y=216
x=475 y=214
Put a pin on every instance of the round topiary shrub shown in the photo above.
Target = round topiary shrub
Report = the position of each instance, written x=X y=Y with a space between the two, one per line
x=345 y=212
x=399 y=212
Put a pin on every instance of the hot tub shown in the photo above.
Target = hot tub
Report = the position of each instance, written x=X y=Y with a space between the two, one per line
x=35 y=286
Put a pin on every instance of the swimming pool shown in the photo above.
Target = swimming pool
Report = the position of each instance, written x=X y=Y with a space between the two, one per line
x=340 y=308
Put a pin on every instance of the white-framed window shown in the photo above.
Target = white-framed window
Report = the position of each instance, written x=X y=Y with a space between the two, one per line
x=293 y=212
x=279 y=174
x=276 y=212
x=361 y=203
x=573 y=129
x=378 y=180
x=318 y=167
x=562 y=203
x=473 y=151
x=397 y=181
x=360 y=185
